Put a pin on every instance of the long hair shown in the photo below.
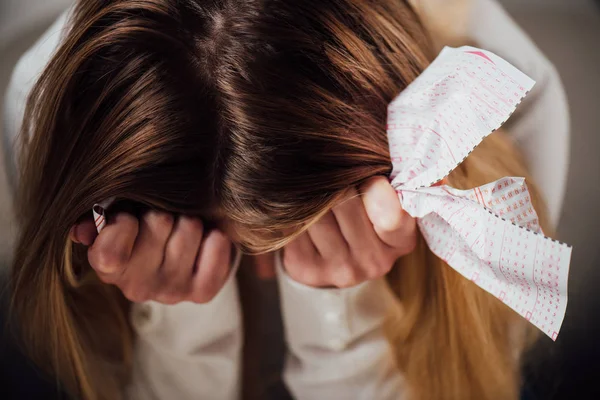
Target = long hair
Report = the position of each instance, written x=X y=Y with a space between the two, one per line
x=259 y=112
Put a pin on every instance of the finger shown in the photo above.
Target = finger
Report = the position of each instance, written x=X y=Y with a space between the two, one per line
x=355 y=225
x=328 y=239
x=111 y=251
x=264 y=265
x=180 y=255
x=303 y=263
x=141 y=279
x=371 y=256
x=391 y=223
x=213 y=267
x=345 y=275
x=84 y=232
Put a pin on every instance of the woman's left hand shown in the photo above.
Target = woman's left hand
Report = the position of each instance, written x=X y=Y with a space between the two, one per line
x=358 y=240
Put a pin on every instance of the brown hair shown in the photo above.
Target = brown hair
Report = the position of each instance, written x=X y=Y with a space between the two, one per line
x=261 y=111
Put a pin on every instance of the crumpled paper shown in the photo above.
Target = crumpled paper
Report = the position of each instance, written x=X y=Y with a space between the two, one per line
x=489 y=234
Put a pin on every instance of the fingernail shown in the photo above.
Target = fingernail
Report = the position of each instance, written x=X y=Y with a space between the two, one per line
x=388 y=212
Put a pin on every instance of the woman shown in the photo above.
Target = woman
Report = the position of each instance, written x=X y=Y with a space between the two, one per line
x=119 y=112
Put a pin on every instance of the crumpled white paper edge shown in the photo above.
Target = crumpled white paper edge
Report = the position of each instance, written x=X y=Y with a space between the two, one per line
x=488 y=234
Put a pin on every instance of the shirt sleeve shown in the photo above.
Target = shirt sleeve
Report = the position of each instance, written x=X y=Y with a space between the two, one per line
x=26 y=72
x=540 y=125
x=189 y=351
x=337 y=348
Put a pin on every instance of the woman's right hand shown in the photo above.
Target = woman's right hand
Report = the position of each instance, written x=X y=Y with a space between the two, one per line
x=158 y=257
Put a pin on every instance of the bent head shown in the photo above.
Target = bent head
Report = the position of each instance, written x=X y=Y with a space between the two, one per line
x=257 y=115
x=254 y=114
x=261 y=113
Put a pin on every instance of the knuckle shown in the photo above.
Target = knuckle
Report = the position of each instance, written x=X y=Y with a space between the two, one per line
x=291 y=258
x=347 y=276
x=136 y=293
x=342 y=258
x=348 y=267
x=372 y=257
x=307 y=277
x=204 y=291
x=131 y=296
x=167 y=276
x=203 y=296
x=220 y=240
x=193 y=224
x=372 y=266
x=175 y=250
x=127 y=219
x=107 y=260
x=303 y=269
x=159 y=220
x=373 y=273
x=220 y=257
x=106 y=278
x=171 y=298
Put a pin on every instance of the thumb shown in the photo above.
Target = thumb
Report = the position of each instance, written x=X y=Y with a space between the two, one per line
x=393 y=225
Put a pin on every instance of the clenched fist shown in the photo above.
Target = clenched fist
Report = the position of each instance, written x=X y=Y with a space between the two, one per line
x=158 y=257
x=358 y=240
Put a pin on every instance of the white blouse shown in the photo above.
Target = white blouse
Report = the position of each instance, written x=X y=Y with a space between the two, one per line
x=336 y=345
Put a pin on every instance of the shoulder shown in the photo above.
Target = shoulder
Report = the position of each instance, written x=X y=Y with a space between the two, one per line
x=33 y=61
x=23 y=78
x=446 y=21
x=30 y=66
